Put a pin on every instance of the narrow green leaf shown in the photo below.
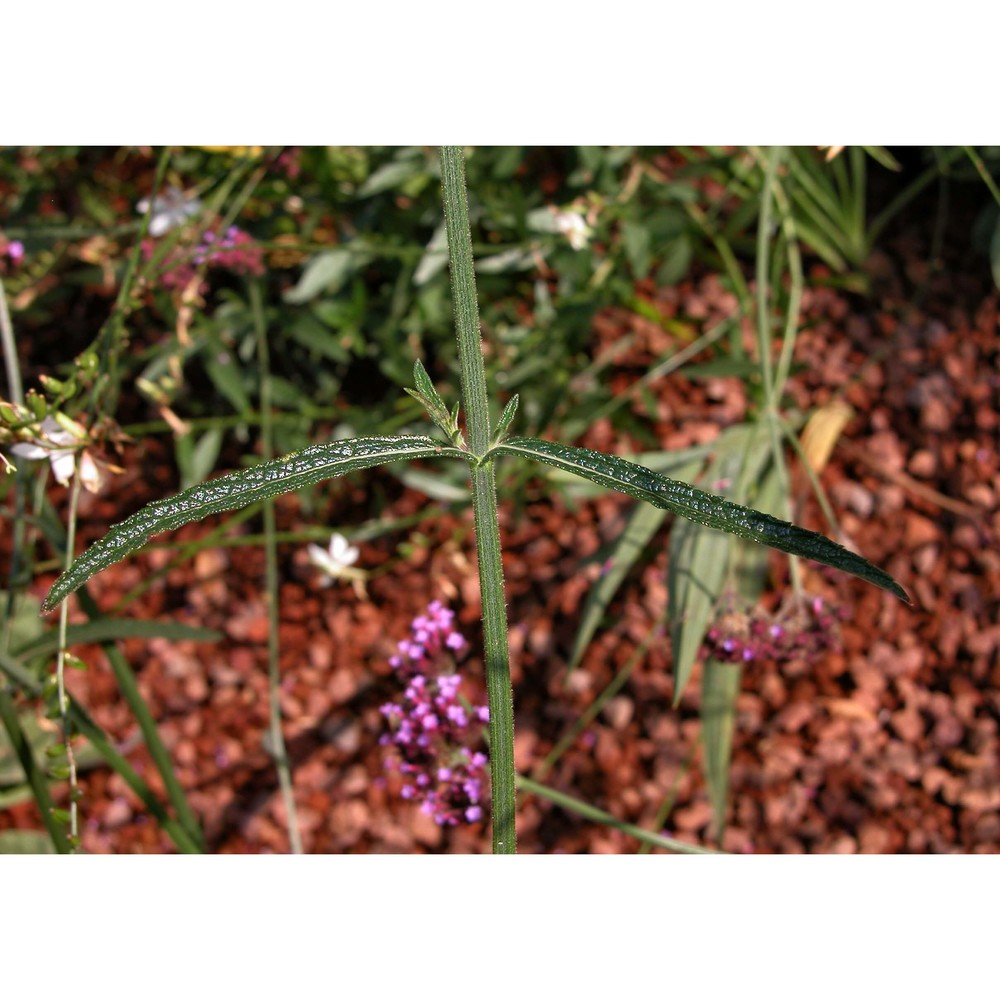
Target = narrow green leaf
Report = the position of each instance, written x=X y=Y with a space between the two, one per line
x=21 y=759
x=426 y=387
x=700 y=557
x=25 y=842
x=236 y=490
x=644 y=522
x=104 y=746
x=103 y=629
x=697 y=505
x=720 y=686
x=326 y=272
x=435 y=257
x=438 y=414
x=882 y=156
x=699 y=561
x=506 y=418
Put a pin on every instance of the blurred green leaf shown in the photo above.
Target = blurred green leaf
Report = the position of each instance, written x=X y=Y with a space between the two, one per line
x=108 y=629
x=643 y=523
x=25 y=842
x=435 y=258
x=720 y=687
x=700 y=556
x=394 y=175
x=197 y=455
x=325 y=273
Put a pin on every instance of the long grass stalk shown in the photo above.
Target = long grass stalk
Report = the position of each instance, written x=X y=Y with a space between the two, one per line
x=125 y=678
x=587 y=811
x=772 y=385
x=275 y=735
x=67 y=732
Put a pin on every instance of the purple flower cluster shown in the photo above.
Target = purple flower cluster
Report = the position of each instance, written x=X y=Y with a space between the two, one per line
x=431 y=729
x=234 y=251
x=802 y=630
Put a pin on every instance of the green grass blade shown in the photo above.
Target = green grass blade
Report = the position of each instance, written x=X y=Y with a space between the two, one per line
x=105 y=629
x=35 y=775
x=644 y=522
x=99 y=740
x=587 y=811
x=236 y=490
x=699 y=506
x=506 y=419
x=25 y=842
x=701 y=558
x=699 y=562
x=720 y=685
x=129 y=687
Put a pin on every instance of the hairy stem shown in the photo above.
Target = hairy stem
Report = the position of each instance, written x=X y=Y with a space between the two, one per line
x=484 y=501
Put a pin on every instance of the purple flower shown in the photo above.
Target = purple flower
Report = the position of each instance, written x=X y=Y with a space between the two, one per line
x=430 y=728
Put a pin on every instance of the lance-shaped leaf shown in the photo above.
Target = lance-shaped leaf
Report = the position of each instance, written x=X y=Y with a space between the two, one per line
x=697 y=505
x=240 y=489
x=428 y=396
x=506 y=418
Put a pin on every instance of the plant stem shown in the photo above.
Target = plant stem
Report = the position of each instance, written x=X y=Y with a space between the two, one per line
x=772 y=389
x=67 y=733
x=484 y=501
x=276 y=737
x=465 y=304
x=977 y=162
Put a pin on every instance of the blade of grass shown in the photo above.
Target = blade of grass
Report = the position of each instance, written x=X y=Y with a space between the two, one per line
x=99 y=740
x=35 y=775
x=590 y=812
x=126 y=681
x=540 y=772
x=276 y=737
x=643 y=523
x=108 y=629
x=720 y=684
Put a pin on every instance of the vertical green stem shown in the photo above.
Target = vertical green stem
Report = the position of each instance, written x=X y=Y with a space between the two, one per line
x=67 y=733
x=484 y=501
x=771 y=389
x=112 y=339
x=466 y=305
x=276 y=737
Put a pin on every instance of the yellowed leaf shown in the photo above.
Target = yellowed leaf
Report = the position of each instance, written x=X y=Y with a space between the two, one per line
x=822 y=430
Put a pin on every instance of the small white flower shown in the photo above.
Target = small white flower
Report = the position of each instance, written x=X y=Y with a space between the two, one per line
x=52 y=445
x=334 y=561
x=574 y=227
x=170 y=209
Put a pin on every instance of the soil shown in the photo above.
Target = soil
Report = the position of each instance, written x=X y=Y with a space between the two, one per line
x=888 y=744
